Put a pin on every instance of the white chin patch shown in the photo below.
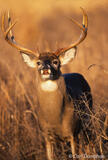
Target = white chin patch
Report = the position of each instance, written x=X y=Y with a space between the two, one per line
x=45 y=76
x=49 y=86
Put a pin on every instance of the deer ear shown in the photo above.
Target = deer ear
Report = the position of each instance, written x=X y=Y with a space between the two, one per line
x=30 y=60
x=68 y=56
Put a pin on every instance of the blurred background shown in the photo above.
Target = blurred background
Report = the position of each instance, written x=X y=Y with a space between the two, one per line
x=45 y=24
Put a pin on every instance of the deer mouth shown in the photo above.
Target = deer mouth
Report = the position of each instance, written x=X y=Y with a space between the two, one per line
x=49 y=74
x=45 y=73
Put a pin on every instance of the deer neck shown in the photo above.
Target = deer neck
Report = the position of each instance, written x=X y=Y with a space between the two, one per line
x=50 y=99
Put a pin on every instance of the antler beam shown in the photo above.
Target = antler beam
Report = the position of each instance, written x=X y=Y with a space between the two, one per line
x=9 y=37
x=83 y=27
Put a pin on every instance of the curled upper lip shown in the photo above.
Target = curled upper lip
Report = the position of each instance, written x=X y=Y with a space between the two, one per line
x=45 y=71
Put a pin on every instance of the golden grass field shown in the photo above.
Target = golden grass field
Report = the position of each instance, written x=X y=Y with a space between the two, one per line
x=44 y=24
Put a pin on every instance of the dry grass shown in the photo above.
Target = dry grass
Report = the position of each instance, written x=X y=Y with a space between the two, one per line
x=19 y=130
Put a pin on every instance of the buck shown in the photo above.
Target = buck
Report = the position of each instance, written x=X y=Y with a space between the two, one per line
x=58 y=94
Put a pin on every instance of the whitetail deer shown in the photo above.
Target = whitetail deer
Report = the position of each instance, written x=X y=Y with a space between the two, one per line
x=58 y=94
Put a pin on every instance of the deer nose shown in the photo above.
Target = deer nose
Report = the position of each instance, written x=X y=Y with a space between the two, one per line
x=46 y=66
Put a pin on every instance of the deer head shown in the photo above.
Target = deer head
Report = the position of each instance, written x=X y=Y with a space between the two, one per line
x=47 y=64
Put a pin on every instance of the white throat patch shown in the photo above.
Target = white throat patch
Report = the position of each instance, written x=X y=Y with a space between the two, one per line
x=49 y=86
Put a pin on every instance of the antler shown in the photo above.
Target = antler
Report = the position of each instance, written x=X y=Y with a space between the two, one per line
x=9 y=37
x=83 y=35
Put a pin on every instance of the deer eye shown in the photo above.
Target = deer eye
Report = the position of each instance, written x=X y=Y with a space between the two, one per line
x=39 y=63
x=55 y=62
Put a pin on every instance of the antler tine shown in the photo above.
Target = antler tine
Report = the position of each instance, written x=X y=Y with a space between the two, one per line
x=83 y=35
x=10 y=26
x=9 y=37
x=85 y=18
x=2 y=26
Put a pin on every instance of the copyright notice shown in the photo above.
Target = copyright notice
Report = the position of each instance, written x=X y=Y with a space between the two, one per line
x=86 y=156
